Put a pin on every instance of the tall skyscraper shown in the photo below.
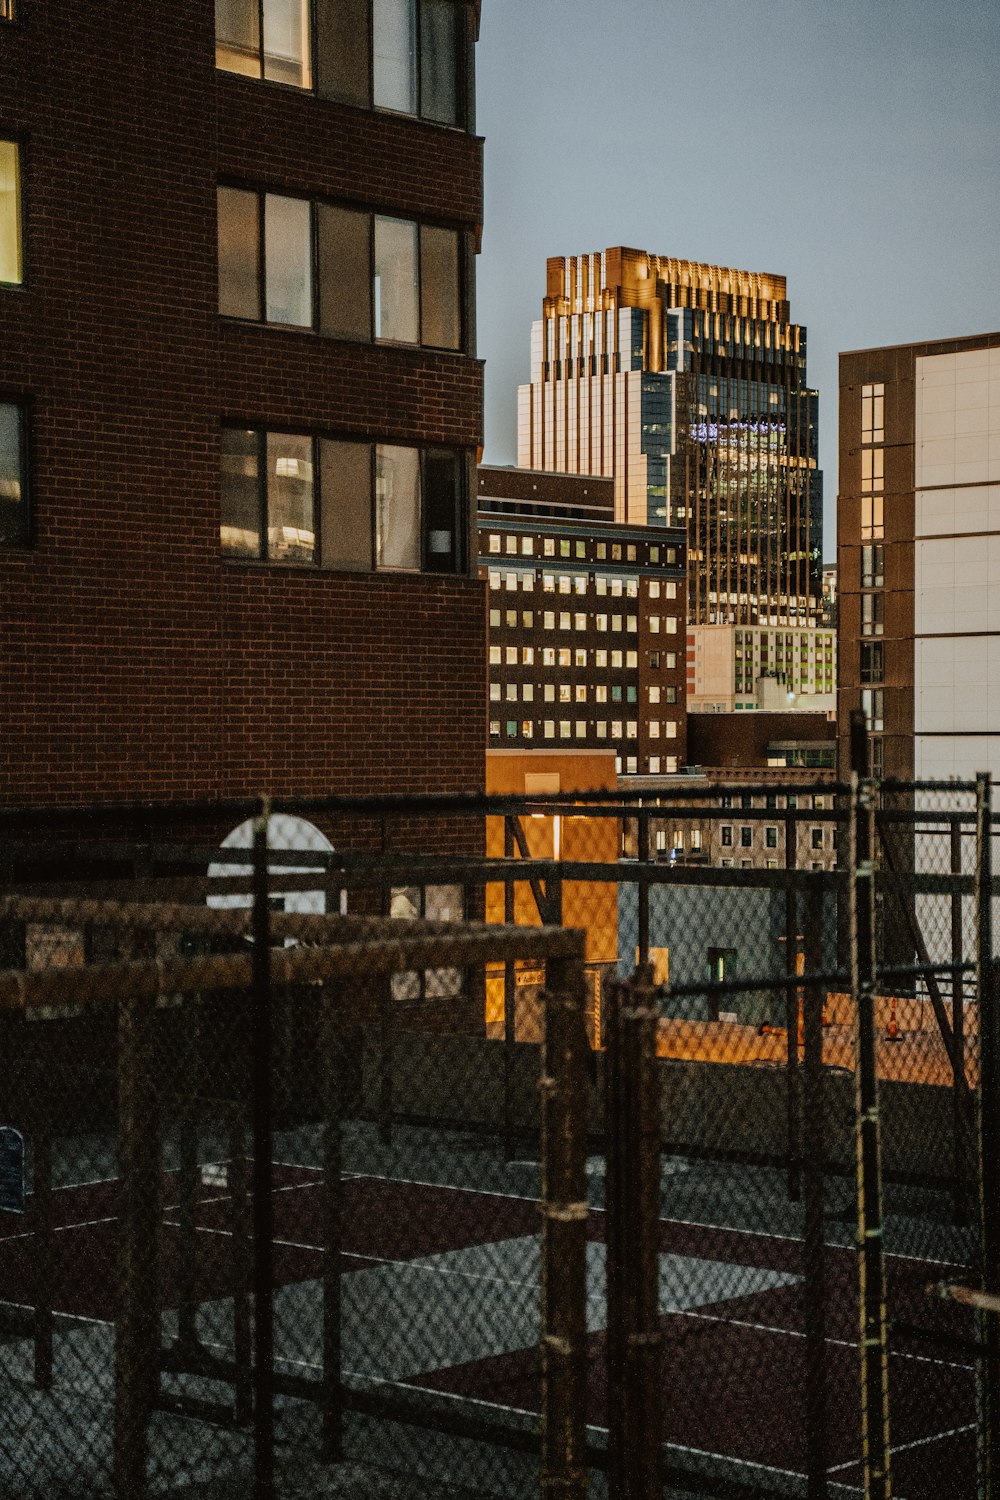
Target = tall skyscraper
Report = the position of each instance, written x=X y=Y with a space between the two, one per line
x=687 y=384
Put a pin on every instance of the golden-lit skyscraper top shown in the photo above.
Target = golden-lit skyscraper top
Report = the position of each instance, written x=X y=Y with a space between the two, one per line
x=686 y=382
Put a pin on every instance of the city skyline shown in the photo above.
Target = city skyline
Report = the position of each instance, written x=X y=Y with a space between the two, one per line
x=876 y=194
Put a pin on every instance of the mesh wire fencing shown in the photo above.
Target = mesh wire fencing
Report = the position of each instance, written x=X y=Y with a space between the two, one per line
x=283 y=1203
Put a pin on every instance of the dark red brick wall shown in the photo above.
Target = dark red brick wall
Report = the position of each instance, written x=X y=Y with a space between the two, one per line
x=134 y=663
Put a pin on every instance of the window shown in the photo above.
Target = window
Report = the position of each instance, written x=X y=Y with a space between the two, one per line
x=495 y=653
x=872 y=520
x=350 y=275
x=13 y=477
x=264 y=39
x=872 y=413
x=872 y=566
x=296 y=498
x=494 y=692
x=726 y=837
x=404 y=55
x=873 y=707
x=746 y=837
x=872 y=661
x=872 y=614
x=816 y=838
x=11 y=266
x=771 y=838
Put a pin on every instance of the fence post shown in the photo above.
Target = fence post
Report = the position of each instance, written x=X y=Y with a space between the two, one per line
x=643 y=856
x=509 y=1001
x=814 y=1155
x=958 y=1119
x=635 y=1416
x=871 y=1263
x=263 y=1151
x=137 y=1331
x=564 y=1233
x=331 y=1063
x=792 y=1081
x=988 y=984
x=43 y=1247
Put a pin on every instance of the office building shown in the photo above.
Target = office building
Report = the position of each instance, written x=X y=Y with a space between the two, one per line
x=761 y=668
x=239 y=399
x=586 y=621
x=918 y=534
x=687 y=384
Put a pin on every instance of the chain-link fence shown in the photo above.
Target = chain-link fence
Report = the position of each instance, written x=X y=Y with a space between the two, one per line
x=282 y=1203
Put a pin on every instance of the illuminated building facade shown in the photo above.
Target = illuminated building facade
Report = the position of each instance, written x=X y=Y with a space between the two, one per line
x=918 y=537
x=687 y=384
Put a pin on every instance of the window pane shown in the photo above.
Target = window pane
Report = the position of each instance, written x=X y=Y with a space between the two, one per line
x=345 y=477
x=288 y=258
x=439 y=60
x=344 y=273
x=442 y=511
x=10 y=212
x=237 y=36
x=240 y=532
x=397 y=507
x=286 y=42
x=394 y=54
x=396 y=280
x=13 y=507
x=239 y=254
x=291 y=531
x=440 y=302
x=342 y=34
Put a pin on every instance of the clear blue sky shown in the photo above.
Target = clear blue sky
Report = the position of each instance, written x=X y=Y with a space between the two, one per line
x=850 y=145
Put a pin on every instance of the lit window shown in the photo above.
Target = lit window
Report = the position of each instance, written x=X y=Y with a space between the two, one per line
x=11 y=263
x=494 y=619
x=632 y=659
x=528 y=656
x=549 y=729
x=670 y=624
x=872 y=523
x=527 y=546
x=549 y=546
x=579 y=622
x=872 y=413
x=872 y=469
x=494 y=692
x=654 y=624
x=654 y=695
x=264 y=39
x=495 y=656
x=654 y=765
x=654 y=730
x=510 y=655
x=14 y=528
x=495 y=727
x=654 y=588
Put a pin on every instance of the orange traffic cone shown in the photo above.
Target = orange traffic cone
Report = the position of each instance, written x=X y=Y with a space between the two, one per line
x=892 y=1030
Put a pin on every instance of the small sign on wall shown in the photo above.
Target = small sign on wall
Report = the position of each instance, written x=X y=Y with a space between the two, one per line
x=11 y=1170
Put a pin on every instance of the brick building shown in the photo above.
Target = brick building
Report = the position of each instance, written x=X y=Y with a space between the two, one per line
x=918 y=539
x=586 y=621
x=239 y=399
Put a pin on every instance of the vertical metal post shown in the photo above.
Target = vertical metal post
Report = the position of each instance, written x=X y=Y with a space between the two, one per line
x=633 y=1173
x=792 y=1082
x=643 y=857
x=814 y=1156
x=564 y=1233
x=509 y=1002
x=617 y=994
x=43 y=1242
x=331 y=1062
x=958 y=1119
x=137 y=1333
x=188 y=1181
x=263 y=1151
x=988 y=985
x=385 y=1028
x=239 y=1223
x=871 y=1262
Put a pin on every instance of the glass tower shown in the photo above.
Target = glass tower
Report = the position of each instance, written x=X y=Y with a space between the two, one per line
x=687 y=384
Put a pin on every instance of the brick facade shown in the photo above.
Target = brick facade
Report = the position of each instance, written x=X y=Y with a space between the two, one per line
x=136 y=663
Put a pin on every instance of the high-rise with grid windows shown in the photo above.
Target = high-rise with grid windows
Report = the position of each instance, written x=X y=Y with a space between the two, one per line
x=687 y=384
